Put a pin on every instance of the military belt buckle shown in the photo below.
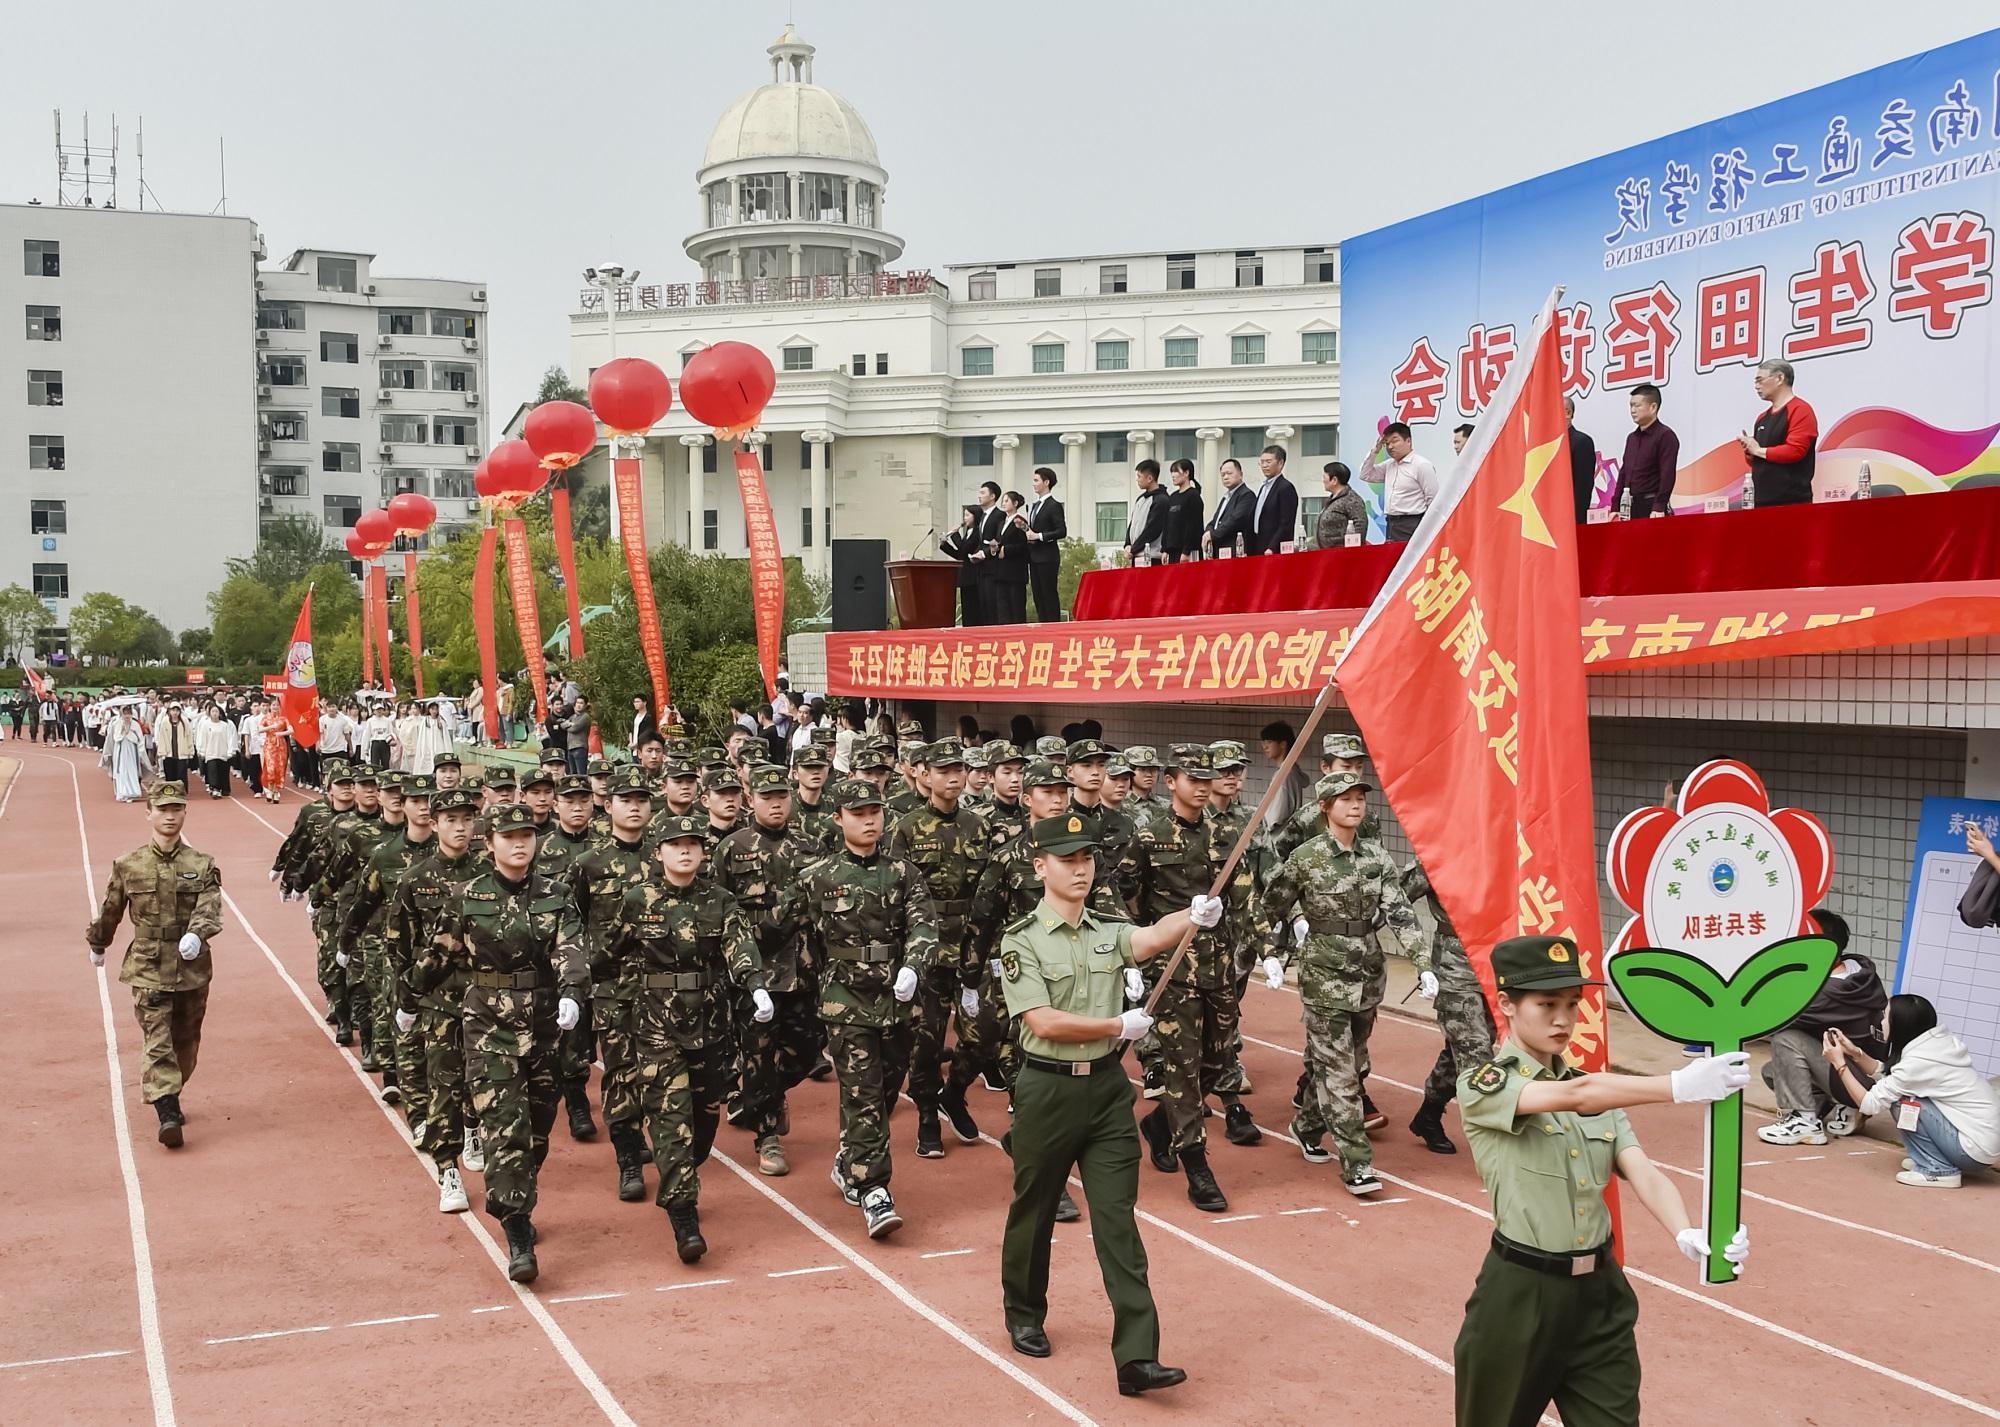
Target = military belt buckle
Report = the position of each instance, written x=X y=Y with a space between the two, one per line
x=1082 y=1067
x=1578 y=1267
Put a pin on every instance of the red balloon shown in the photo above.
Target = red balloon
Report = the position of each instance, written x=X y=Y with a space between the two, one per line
x=561 y=433
x=360 y=549
x=514 y=469
x=412 y=513
x=628 y=394
x=727 y=385
x=376 y=527
x=482 y=481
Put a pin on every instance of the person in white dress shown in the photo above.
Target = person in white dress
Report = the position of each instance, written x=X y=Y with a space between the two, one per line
x=125 y=755
x=215 y=741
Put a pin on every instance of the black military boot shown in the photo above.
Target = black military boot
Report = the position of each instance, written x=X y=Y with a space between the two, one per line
x=1203 y=1192
x=1428 y=1126
x=930 y=1144
x=1238 y=1125
x=577 y=1098
x=630 y=1148
x=1159 y=1140
x=521 y=1265
x=688 y=1242
x=168 y=1107
x=1066 y=1210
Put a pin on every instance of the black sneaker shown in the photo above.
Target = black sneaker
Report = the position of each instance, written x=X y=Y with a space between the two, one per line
x=1238 y=1126
x=878 y=1213
x=168 y=1107
x=1361 y=1181
x=952 y=1103
x=392 y=1093
x=995 y=1080
x=1312 y=1146
x=841 y=1182
x=1159 y=1140
x=1371 y=1118
x=1066 y=1210
x=1154 y=1083
x=929 y=1144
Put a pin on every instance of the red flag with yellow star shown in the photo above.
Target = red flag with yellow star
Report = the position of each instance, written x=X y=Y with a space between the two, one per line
x=1466 y=677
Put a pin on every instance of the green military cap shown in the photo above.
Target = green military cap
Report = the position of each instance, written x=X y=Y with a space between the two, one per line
x=1139 y=755
x=335 y=770
x=710 y=755
x=1118 y=767
x=679 y=769
x=631 y=780
x=813 y=755
x=678 y=748
x=944 y=753
x=910 y=731
x=822 y=734
x=419 y=785
x=553 y=758
x=573 y=785
x=719 y=778
x=976 y=757
x=1064 y=833
x=1051 y=748
x=1086 y=750
x=390 y=780
x=1001 y=751
x=1341 y=745
x=599 y=768
x=1040 y=773
x=473 y=782
x=538 y=778
x=868 y=755
x=1194 y=759
x=453 y=800
x=1538 y=963
x=446 y=759
x=855 y=793
x=769 y=778
x=1334 y=784
x=512 y=817
x=676 y=826
x=1227 y=753
x=501 y=778
x=363 y=773
x=912 y=750
x=167 y=793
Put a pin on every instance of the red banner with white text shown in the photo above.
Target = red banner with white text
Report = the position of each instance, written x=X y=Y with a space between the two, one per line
x=639 y=571
x=379 y=582
x=367 y=629
x=482 y=628
x=412 y=624
x=767 y=565
x=527 y=617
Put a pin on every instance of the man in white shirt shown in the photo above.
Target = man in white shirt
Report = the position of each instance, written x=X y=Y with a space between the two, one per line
x=1409 y=482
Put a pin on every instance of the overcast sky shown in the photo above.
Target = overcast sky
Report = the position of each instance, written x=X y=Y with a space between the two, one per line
x=515 y=143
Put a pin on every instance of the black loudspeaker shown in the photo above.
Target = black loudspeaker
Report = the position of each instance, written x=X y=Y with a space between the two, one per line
x=860 y=584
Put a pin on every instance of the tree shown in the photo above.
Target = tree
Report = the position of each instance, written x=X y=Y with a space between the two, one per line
x=105 y=625
x=21 y=614
x=192 y=646
x=246 y=622
x=152 y=641
x=556 y=386
x=286 y=549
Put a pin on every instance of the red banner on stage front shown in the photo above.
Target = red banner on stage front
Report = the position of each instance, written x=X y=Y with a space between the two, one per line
x=482 y=628
x=639 y=571
x=767 y=565
x=527 y=617
x=412 y=623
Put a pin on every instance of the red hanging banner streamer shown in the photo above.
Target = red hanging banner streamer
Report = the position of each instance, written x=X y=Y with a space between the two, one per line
x=632 y=537
x=367 y=629
x=566 y=559
x=379 y=575
x=482 y=627
x=767 y=565
x=527 y=618
x=413 y=625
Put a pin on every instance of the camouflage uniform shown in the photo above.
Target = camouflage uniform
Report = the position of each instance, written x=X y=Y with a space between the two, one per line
x=1462 y=1012
x=1238 y=932
x=326 y=873
x=1141 y=806
x=430 y=1065
x=1346 y=895
x=365 y=921
x=555 y=855
x=294 y=855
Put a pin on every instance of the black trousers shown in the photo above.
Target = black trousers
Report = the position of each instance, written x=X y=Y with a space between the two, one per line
x=1402 y=527
x=1042 y=576
x=215 y=773
x=174 y=770
x=1010 y=603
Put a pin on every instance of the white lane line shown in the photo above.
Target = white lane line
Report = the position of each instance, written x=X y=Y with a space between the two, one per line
x=701 y=1283
x=946 y=1254
x=496 y=1308
x=909 y=1300
x=800 y=1272
x=584 y=1373
x=1378 y=1203
x=399 y=1318
x=273 y=1333
x=20 y=768
x=71 y=1358
x=1235 y=1218
x=135 y=1204
x=1313 y=1209
x=584 y=1297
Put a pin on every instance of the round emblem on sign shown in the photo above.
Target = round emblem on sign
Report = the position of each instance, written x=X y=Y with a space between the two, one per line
x=299 y=665
x=1722 y=876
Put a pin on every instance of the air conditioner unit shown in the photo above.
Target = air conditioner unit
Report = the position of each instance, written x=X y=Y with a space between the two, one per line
x=479 y=294
x=471 y=344
x=368 y=291
x=385 y=340
x=260 y=284
x=386 y=393
x=265 y=445
x=471 y=453
x=263 y=336
x=265 y=503
x=472 y=507
x=386 y=449
x=472 y=398
x=264 y=391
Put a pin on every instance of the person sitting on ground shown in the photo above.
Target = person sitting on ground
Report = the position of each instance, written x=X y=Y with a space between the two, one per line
x=1945 y=1109
x=1812 y=1103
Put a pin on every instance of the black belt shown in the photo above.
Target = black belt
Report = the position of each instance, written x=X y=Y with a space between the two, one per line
x=952 y=909
x=871 y=951
x=1556 y=1265
x=1349 y=927
x=676 y=980
x=1106 y=1062
x=508 y=980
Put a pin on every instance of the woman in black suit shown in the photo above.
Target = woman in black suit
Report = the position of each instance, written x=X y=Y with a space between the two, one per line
x=1012 y=581
x=959 y=546
x=1182 y=537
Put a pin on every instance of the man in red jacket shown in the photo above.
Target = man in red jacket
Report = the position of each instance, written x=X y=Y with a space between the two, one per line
x=1781 y=445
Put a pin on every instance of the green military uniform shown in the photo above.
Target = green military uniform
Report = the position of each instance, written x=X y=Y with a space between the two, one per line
x=1552 y=1315
x=173 y=894
x=1238 y=932
x=555 y=854
x=1073 y=1106
x=346 y=871
x=295 y=858
x=1142 y=805
x=812 y=823
x=325 y=873
x=1347 y=895
x=366 y=920
x=1462 y=1012
x=1114 y=829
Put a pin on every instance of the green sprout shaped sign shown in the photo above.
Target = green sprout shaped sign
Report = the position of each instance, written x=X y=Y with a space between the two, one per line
x=1721 y=948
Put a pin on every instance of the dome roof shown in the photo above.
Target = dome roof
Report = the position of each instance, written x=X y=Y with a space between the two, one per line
x=791 y=120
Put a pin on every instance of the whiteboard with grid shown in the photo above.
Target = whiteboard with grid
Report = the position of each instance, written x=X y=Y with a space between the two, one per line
x=1957 y=967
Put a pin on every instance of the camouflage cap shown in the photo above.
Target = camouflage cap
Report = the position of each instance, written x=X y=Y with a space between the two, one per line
x=770 y=778
x=1001 y=751
x=574 y=785
x=541 y=777
x=976 y=757
x=1227 y=754
x=910 y=731
x=455 y=800
x=1193 y=759
x=364 y=773
x=709 y=755
x=1538 y=963
x=473 y=782
x=512 y=817
x=419 y=785
x=631 y=781
x=167 y=793
x=1341 y=745
x=500 y=780
x=868 y=755
x=553 y=758
x=1118 y=767
x=1087 y=750
x=821 y=733
x=391 y=781
x=912 y=751
x=446 y=759
x=676 y=826
x=1140 y=755
x=679 y=768
x=679 y=749
x=855 y=793
x=1052 y=748
x=1040 y=773
x=1334 y=784
x=813 y=755
x=337 y=770
x=721 y=778
x=945 y=753
x=1063 y=834
x=599 y=768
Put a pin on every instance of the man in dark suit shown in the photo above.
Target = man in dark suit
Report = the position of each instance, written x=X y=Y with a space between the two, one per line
x=1582 y=464
x=1046 y=532
x=1232 y=512
x=985 y=553
x=1275 y=518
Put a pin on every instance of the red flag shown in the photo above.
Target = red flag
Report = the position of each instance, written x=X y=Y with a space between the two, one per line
x=299 y=699
x=37 y=685
x=639 y=570
x=380 y=578
x=482 y=627
x=767 y=565
x=412 y=623
x=527 y=618
x=1466 y=677
x=367 y=629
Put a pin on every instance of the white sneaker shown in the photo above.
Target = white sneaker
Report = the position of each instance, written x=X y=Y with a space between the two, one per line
x=1918 y=1179
x=451 y=1193
x=1842 y=1121
x=1794 y=1129
x=1909 y=1163
x=474 y=1154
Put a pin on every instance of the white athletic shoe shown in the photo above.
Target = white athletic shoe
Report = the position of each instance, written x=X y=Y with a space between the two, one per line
x=1919 y=1180
x=451 y=1193
x=473 y=1156
x=1794 y=1129
x=1909 y=1163
x=1842 y=1121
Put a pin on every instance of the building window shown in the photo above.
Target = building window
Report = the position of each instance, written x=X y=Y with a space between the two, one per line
x=980 y=287
x=1178 y=445
x=766 y=197
x=767 y=456
x=51 y=582
x=709 y=537
x=409 y=430
x=1249 y=270
x=708 y=461
x=397 y=482
x=805 y=525
x=341 y=510
x=686 y=357
x=1048 y=356
x=1319 y=265
x=1247 y=350
x=285 y=481
x=48 y=517
x=453 y=485
x=825 y=197
x=859 y=364
x=454 y=376
x=1111 y=449
x=45 y=388
x=340 y=401
x=455 y=431
x=1180 y=272
x=403 y=376
x=339 y=347
x=285 y=371
x=881 y=364
x=1317 y=346
x=1111 y=277
x=1319 y=440
x=50 y=641
x=285 y=426
x=1246 y=441
x=1114 y=356
x=975 y=361
x=44 y=323
x=454 y=324
x=975 y=450
x=1048 y=282
x=45 y=453
x=1309 y=509
x=41 y=257
x=1183 y=351
x=283 y=316
x=400 y=321
x=340 y=456
x=338 y=275
x=1048 y=448
x=1112 y=517
x=798 y=359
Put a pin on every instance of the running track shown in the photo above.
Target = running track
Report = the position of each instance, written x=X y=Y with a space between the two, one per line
x=290 y=1265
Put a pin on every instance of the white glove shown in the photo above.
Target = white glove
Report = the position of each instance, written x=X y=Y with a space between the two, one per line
x=1274 y=973
x=97 y=958
x=761 y=999
x=1135 y=984
x=306 y=897
x=340 y=960
x=1133 y=1024
x=190 y=947
x=567 y=1013
x=1299 y=930
x=406 y=1021
x=906 y=984
x=1713 y=1077
x=1205 y=911
x=1694 y=1244
x=968 y=1000
x=1427 y=985
x=272 y=876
